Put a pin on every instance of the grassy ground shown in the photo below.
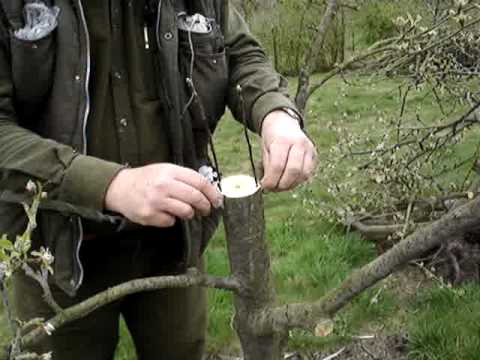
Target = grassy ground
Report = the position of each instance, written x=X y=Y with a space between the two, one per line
x=311 y=255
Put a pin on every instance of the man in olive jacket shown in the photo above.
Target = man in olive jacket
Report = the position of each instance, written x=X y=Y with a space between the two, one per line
x=111 y=104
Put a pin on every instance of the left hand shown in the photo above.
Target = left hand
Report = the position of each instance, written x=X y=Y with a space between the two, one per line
x=289 y=157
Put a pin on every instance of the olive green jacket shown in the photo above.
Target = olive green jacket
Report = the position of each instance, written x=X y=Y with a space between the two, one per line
x=44 y=108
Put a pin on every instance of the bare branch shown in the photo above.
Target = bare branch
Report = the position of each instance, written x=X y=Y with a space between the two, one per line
x=192 y=278
x=313 y=53
x=317 y=45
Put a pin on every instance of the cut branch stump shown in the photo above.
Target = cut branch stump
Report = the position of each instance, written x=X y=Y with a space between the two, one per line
x=250 y=266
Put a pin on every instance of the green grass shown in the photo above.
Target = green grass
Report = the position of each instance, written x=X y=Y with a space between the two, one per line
x=445 y=324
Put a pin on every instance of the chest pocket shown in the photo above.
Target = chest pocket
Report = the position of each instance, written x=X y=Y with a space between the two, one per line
x=203 y=60
x=33 y=58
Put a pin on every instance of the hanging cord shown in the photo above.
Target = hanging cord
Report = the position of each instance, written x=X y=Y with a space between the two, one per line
x=245 y=131
x=190 y=72
x=194 y=99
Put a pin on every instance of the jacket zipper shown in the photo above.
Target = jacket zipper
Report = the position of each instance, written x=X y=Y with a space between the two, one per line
x=87 y=78
x=185 y=226
x=84 y=136
x=157 y=30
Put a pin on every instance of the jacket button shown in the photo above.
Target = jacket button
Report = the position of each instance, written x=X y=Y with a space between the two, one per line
x=118 y=75
x=123 y=122
x=78 y=78
x=168 y=36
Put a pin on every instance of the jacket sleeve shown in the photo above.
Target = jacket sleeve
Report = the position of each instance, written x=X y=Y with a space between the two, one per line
x=263 y=89
x=71 y=177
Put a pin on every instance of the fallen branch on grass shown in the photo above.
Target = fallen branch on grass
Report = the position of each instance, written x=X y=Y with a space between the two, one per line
x=461 y=220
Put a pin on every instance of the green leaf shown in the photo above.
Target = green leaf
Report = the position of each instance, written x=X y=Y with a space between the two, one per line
x=5 y=243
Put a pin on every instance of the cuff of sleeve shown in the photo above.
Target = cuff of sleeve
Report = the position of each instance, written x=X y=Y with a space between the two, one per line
x=266 y=104
x=86 y=181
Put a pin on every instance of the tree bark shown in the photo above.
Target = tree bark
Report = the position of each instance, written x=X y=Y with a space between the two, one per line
x=250 y=266
x=313 y=54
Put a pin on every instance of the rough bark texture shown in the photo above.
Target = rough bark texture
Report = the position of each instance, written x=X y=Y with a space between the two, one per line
x=250 y=265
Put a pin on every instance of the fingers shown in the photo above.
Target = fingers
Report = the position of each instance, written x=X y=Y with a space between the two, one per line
x=180 y=192
x=275 y=161
x=180 y=201
x=158 y=194
x=179 y=209
x=294 y=168
x=288 y=166
x=197 y=182
x=155 y=218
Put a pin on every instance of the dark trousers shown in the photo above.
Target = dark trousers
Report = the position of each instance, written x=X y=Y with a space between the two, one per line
x=165 y=324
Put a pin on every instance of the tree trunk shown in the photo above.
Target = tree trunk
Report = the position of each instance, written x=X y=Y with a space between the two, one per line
x=313 y=54
x=250 y=265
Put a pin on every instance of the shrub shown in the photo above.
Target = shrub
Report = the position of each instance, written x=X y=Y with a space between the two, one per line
x=287 y=31
x=376 y=20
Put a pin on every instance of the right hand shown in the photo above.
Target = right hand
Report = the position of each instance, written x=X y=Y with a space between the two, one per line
x=156 y=195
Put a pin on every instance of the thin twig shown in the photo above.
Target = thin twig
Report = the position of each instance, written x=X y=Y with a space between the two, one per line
x=369 y=353
x=407 y=218
x=335 y=355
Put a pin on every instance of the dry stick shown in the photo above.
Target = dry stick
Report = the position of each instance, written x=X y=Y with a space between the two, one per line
x=463 y=219
x=192 y=278
x=376 y=232
x=335 y=355
x=407 y=218
x=312 y=55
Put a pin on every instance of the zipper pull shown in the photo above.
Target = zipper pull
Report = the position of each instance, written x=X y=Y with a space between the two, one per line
x=146 y=37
